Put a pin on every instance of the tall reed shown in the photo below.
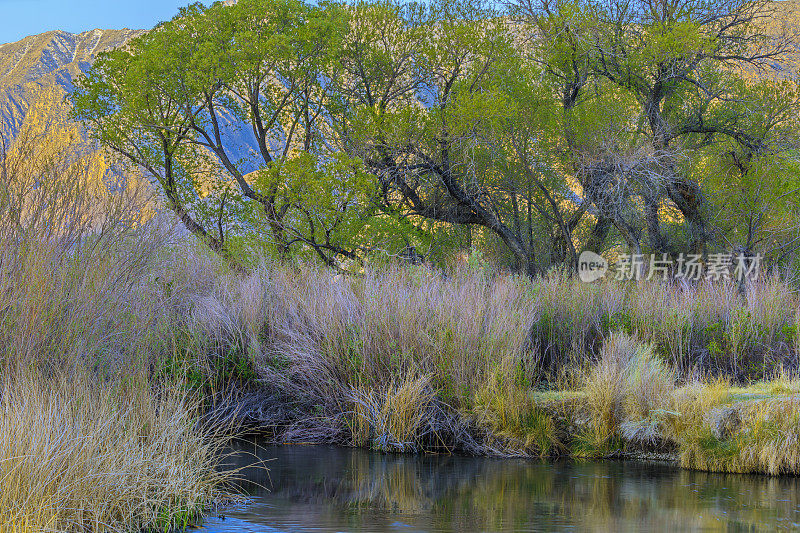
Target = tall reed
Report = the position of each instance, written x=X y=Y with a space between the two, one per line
x=90 y=438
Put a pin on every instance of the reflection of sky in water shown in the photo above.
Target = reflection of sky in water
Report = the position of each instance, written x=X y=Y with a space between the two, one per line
x=334 y=489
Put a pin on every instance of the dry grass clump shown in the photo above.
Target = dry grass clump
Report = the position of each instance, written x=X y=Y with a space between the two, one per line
x=394 y=419
x=328 y=333
x=517 y=424
x=694 y=402
x=91 y=437
x=770 y=438
x=698 y=397
x=783 y=382
x=75 y=456
x=628 y=384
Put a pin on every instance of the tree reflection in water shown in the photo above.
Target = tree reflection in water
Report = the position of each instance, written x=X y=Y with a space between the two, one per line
x=338 y=489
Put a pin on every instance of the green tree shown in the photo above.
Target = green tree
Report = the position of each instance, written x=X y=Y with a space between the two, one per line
x=227 y=108
x=754 y=186
x=556 y=126
x=442 y=109
x=664 y=73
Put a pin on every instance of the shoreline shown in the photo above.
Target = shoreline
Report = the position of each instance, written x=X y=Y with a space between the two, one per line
x=729 y=419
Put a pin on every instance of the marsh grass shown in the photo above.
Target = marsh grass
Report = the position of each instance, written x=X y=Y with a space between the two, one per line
x=315 y=335
x=626 y=392
x=338 y=349
x=77 y=456
x=391 y=420
x=91 y=437
x=760 y=436
x=518 y=423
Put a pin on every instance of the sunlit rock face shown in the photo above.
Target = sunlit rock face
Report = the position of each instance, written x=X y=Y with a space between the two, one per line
x=44 y=61
x=55 y=59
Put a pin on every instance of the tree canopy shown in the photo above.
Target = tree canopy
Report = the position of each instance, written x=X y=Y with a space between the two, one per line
x=531 y=132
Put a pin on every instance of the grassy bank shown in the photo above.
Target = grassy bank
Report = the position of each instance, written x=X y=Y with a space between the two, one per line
x=82 y=456
x=91 y=438
x=122 y=343
x=631 y=405
x=410 y=359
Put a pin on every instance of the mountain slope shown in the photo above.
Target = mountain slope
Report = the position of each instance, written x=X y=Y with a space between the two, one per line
x=52 y=59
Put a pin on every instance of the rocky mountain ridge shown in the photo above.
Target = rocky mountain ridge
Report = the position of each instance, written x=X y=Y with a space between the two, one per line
x=48 y=60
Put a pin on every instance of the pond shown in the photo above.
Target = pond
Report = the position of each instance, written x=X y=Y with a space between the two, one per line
x=330 y=489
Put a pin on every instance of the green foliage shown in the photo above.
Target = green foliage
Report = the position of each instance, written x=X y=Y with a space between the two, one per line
x=620 y=321
x=177 y=519
x=791 y=332
x=201 y=364
x=181 y=99
x=350 y=132
x=750 y=178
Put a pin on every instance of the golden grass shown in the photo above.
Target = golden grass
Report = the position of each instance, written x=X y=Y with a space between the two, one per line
x=90 y=438
x=390 y=420
x=630 y=402
x=783 y=382
x=762 y=436
x=75 y=456
x=628 y=384
x=740 y=429
x=517 y=422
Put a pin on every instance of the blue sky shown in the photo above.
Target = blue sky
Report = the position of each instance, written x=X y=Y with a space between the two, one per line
x=20 y=18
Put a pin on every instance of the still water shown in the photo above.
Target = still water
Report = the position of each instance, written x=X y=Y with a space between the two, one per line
x=328 y=489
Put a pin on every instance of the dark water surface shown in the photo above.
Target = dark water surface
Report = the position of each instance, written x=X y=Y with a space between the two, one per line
x=328 y=489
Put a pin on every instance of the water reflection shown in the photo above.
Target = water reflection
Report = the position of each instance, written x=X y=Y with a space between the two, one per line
x=336 y=489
